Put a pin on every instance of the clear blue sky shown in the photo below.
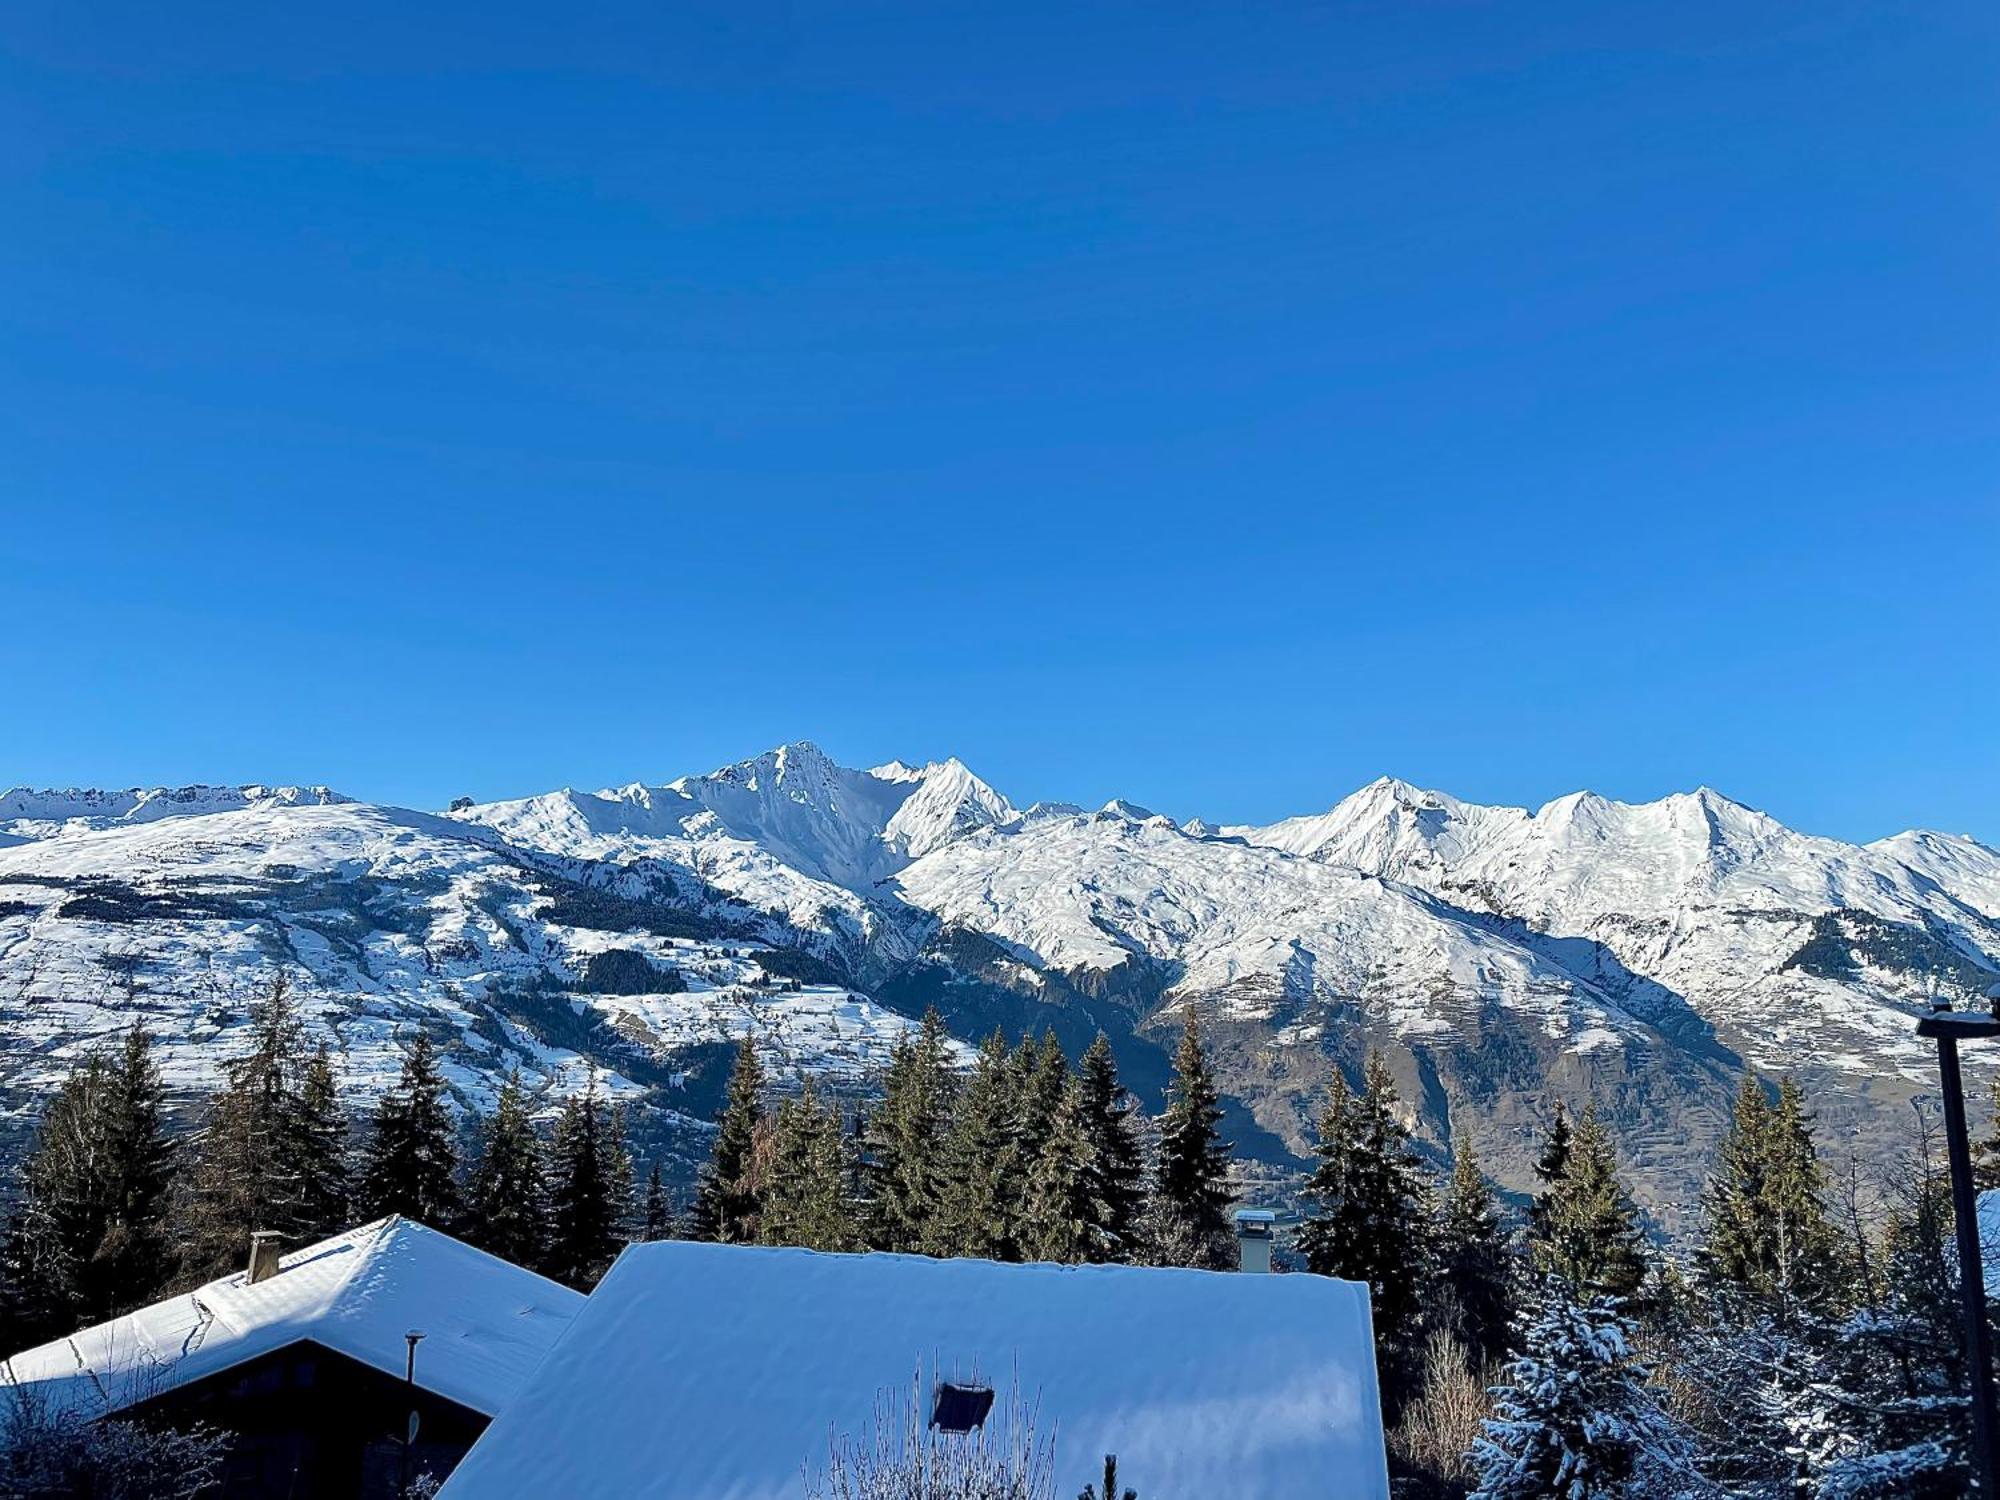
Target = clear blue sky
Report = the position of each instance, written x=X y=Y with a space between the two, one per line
x=1214 y=405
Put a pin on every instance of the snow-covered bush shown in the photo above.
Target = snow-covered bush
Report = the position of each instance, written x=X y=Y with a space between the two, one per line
x=51 y=1454
x=904 y=1458
x=1575 y=1419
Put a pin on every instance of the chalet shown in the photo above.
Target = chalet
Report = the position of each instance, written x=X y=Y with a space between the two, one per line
x=316 y=1361
x=716 y=1372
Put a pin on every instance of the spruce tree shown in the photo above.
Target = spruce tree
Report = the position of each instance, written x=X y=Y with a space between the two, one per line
x=1064 y=1213
x=905 y=1135
x=255 y=1154
x=1110 y=1122
x=982 y=1164
x=1575 y=1418
x=1474 y=1262
x=1041 y=1079
x=507 y=1195
x=1192 y=1193
x=1590 y=1235
x=87 y=1239
x=586 y=1210
x=411 y=1163
x=726 y=1203
x=1370 y=1219
x=1549 y=1169
x=806 y=1202
x=656 y=1218
x=1769 y=1240
x=324 y=1174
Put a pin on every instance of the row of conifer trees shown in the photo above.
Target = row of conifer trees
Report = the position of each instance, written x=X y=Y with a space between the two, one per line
x=113 y=1208
x=1024 y=1157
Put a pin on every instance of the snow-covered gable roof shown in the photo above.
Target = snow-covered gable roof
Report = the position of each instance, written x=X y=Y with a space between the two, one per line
x=486 y=1323
x=711 y=1372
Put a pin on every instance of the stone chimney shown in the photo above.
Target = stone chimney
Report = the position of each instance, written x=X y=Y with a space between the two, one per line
x=266 y=1246
x=1255 y=1228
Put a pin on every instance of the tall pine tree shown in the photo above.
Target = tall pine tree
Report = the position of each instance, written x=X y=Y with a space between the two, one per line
x=656 y=1218
x=806 y=1200
x=325 y=1178
x=507 y=1195
x=977 y=1216
x=906 y=1133
x=1109 y=1116
x=726 y=1203
x=257 y=1153
x=587 y=1209
x=1474 y=1261
x=1064 y=1215
x=1192 y=1193
x=1588 y=1234
x=411 y=1164
x=1549 y=1169
x=87 y=1239
x=1371 y=1217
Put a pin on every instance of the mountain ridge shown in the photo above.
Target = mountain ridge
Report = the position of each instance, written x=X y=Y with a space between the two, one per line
x=1637 y=954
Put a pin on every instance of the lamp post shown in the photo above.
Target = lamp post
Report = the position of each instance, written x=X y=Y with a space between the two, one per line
x=414 y=1337
x=1948 y=1028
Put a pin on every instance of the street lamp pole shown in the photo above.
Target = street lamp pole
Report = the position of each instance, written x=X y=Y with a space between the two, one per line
x=412 y=1338
x=1948 y=1028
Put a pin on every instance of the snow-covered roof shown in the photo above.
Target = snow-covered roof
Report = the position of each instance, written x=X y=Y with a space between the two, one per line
x=711 y=1372
x=486 y=1322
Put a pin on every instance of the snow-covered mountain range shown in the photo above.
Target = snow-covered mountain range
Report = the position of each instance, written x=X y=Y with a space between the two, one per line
x=1641 y=955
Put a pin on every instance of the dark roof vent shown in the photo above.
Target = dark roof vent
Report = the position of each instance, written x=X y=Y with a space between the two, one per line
x=960 y=1408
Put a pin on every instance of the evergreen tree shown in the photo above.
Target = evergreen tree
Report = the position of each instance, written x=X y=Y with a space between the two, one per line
x=324 y=1175
x=1474 y=1262
x=586 y=1210
x=906 y=1135
x=256 y=1154
x=1064 y=1215
x=1371 y=1217
x=1110 y=1490
x=1549 y=1169
x=411 y=1164
x=1590 y=1234
x=507 y=1195
x=87 y=1239
x=657 y=1217
x=1041 y=1080
x=1769 y=1239
x=982 y=1163
x=806 y=1199
x=726 y=1203
x=1192 y=1193
x=1575 y=1418
x=1110 y=1123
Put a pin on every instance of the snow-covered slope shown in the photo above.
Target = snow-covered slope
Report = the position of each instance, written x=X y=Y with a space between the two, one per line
x=1638 y=954
x=28 y=813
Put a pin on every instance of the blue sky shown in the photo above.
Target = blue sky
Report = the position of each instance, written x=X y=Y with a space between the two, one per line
x=1213 y=405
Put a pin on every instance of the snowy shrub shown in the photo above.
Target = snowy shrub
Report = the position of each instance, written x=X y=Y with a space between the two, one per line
x=1575 y=1419
x=52 y=1454
x=904 y=1458
x=1441 y=1423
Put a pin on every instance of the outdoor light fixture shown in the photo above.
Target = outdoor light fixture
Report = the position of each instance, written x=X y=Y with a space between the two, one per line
x=1948 y=1028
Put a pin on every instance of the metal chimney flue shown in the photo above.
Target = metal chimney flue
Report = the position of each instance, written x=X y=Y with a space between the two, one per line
x=266 y=1247
x=1255 y=1229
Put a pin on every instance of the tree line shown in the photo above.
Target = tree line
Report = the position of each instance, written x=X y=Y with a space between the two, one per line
x=113 y=1211
x=1808 y=1347
x=1023 y=1157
